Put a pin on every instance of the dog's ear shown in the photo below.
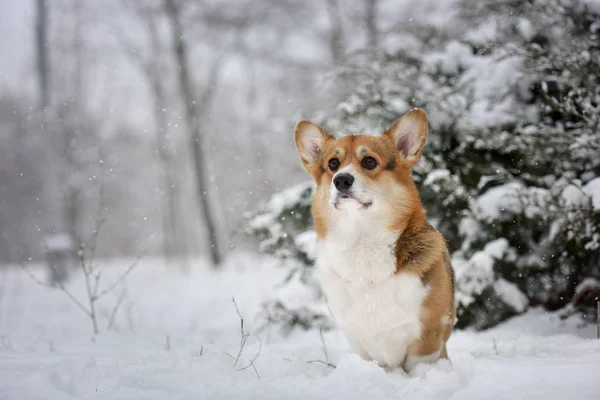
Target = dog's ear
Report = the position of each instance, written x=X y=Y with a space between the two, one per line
x=310 y=139
x=409 y=135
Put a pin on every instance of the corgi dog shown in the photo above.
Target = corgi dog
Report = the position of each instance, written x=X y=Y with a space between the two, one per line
x=384 y=271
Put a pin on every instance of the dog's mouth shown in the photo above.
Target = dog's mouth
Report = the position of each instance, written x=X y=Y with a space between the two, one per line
x=348 y=198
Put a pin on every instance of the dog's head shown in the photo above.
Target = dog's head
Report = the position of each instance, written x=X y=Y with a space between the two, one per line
x=363 y=178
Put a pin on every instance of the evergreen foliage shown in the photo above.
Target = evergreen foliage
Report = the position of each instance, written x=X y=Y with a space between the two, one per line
x=511 y=172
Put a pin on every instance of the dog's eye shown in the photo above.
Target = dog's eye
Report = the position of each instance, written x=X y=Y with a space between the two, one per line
x=369 y=163
x=334 y=164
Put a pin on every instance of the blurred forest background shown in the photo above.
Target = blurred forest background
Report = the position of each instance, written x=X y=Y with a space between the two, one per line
x=129 y=106
x=165 y=122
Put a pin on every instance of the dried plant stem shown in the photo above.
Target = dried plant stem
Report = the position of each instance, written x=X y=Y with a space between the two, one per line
x=243 y=340
x=120 y=279
x=115 y=310
x=88 y=286
x=325 y=353
x=598 y=318
x=91 y=273
x=58 y=286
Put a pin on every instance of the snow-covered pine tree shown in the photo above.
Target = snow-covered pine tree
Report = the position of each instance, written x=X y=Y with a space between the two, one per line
x=283 y=227
x=548 y=190
x=510 y=173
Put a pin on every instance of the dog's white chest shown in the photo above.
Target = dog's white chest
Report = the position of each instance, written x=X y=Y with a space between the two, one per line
x=378 y=311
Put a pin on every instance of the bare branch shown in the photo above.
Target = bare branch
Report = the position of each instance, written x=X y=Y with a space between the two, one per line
x=255 y=357
x=243 y=340
x=323 y=346
x=115 y=310
x=244 y=337
x=97 y=276
x=88 y=286
x=330 y=365
x=325 y=352
x=120 y=279
x=254 y=368
x=57 y=286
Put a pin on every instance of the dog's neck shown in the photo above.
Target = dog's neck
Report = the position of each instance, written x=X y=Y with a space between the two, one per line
x=359 y=248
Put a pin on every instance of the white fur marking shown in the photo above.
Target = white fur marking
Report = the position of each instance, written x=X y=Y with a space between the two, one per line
x=358 y=189
x=378 y=311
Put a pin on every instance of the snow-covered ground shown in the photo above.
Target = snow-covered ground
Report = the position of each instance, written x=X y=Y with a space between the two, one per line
x=176 y=336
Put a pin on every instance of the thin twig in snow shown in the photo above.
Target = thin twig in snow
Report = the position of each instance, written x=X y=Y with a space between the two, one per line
x=243 y=341
x=323 y=346
x=322 y=362
x=325 y=352
x=256 y=356
x=88 y=287
x=244 y=336
x=115 y=309
x=254 y=368
x=496 y=347
x=91 y=272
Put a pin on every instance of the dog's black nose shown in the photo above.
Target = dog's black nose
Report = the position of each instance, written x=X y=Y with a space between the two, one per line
x=343 y=182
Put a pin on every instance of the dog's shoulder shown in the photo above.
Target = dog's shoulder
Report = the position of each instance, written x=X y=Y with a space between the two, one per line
x=419 y=249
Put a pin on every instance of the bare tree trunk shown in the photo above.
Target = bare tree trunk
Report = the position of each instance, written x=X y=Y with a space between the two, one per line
x=57 y=241
x=371 y=23
x=153 y=69
x=336 y=37
x=169 y=208
x=41 y=36
x=73 y=203
x=191 y=111
x=255 y=143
